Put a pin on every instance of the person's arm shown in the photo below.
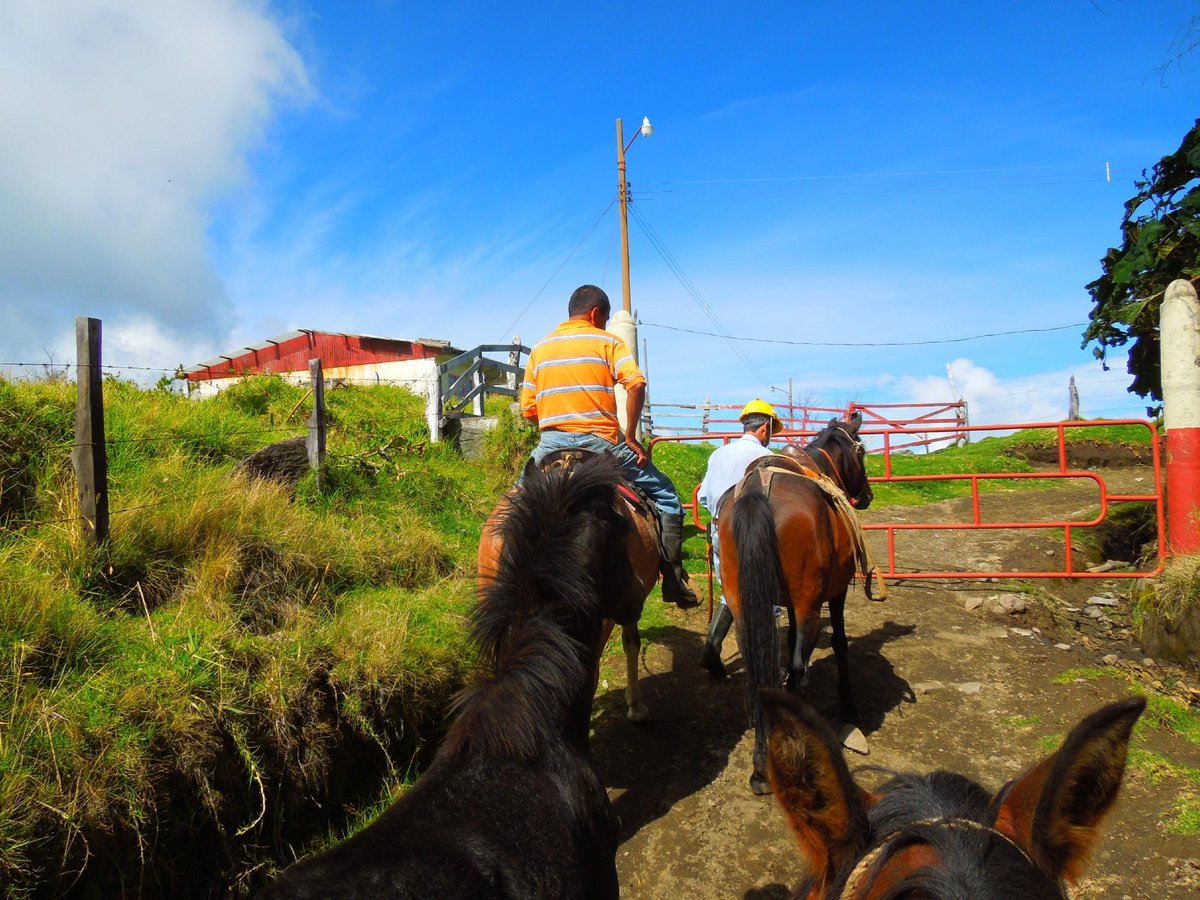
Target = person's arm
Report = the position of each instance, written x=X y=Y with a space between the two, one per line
x=635 y=399
x=529 y=395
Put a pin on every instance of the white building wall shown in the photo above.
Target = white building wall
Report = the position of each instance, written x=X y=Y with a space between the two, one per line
x=418 y=375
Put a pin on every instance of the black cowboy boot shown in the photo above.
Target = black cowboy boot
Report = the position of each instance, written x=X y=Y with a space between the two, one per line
x=675 y=580
x=711 y=657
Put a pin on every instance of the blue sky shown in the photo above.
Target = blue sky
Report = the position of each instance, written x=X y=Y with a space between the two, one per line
x=203 y=175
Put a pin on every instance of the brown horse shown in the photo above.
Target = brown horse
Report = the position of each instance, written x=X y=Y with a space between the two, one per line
x=789 y=543
x=510 y=806
x=633 y=569
x=942 y=835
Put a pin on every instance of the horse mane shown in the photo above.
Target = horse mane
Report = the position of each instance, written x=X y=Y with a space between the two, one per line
x=530 y=626
x=824 y=436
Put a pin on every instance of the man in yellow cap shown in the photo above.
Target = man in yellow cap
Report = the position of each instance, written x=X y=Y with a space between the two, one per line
x=726 y=466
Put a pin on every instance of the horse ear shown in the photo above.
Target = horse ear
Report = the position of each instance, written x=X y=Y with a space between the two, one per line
x=530 y=468
x=826 y=810
x=1053 y=811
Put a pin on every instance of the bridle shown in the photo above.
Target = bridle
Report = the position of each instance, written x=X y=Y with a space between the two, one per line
x=857 y=879
x=837 y=428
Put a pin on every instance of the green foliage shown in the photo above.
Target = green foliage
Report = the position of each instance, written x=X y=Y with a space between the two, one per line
x=1160 y=242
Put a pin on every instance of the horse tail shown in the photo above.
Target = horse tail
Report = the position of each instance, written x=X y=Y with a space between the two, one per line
x=760 y=587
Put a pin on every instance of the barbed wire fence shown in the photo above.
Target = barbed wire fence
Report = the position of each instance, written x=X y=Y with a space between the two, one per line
x=456 y=388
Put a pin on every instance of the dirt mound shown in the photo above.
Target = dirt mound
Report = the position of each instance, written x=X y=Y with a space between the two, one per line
x=1087 y=454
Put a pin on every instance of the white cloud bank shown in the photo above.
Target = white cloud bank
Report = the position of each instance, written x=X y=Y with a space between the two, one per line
x=1043 y=397
x=124 y=120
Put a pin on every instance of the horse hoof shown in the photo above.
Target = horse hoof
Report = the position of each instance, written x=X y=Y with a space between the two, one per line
x=639 y=714
x=711 y=660
x=759 y=785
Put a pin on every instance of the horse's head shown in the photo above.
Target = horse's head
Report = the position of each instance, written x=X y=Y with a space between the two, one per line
x=849 y=457
x=942 y=835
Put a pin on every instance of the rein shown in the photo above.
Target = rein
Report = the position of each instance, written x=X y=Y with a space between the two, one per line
x=841 y=482
x=857 y=878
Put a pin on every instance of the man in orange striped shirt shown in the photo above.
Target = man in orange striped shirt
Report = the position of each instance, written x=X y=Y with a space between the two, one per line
x=569 y=393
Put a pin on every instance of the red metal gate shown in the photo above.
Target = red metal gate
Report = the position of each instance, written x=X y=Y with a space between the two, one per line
x=976 y=523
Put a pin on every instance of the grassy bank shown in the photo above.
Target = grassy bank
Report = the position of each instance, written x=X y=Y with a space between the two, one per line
x=231 y=673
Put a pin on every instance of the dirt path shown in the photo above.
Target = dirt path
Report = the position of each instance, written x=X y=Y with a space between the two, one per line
x=938 y=686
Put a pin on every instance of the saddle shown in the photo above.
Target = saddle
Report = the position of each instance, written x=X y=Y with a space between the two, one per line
x=767 y=468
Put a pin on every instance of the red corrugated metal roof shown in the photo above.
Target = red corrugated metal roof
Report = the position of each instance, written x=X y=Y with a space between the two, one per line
x=291 y=352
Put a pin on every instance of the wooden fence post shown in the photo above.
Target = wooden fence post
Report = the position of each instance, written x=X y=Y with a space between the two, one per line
x=315 y=443
x=89 y=457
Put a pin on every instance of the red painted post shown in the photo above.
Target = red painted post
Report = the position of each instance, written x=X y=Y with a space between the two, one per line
x=1180 y=329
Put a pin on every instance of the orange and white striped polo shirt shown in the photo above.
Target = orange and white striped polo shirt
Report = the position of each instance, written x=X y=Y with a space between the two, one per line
x=570 y=376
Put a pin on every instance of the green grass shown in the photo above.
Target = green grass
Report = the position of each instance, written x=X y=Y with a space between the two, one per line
x=1005 y=454
x=181 y=704
x=1020 y=722
x=1085 y=673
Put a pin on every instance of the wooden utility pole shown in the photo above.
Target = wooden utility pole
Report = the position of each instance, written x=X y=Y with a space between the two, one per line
x=315 y=443
x=89 y=457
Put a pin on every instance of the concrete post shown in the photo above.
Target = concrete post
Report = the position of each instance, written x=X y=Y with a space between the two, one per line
x=1179 y=326
x=433 y=404
x=622 y=324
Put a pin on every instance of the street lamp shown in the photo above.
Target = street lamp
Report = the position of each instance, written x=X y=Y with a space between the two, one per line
x=621 y=323
x=623 y=199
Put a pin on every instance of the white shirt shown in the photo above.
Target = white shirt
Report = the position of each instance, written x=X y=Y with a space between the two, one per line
x=726 y=467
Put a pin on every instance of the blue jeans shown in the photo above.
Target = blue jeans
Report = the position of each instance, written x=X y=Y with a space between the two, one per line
x=658 y=487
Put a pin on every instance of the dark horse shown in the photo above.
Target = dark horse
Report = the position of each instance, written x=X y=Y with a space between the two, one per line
x=797 y=547
x=942 y=835
x=630 y=573
x=510 y=806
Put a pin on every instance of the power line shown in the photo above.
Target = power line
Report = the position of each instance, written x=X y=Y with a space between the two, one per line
x=959 y=340
x=692 y=291
x=881 y=175
x=554 y=274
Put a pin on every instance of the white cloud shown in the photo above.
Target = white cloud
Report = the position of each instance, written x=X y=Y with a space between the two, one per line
x=124 y=120
x=1041 y=397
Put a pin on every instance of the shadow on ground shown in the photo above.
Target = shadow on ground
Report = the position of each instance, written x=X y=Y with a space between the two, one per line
x=697 y=720
x=695 y=723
